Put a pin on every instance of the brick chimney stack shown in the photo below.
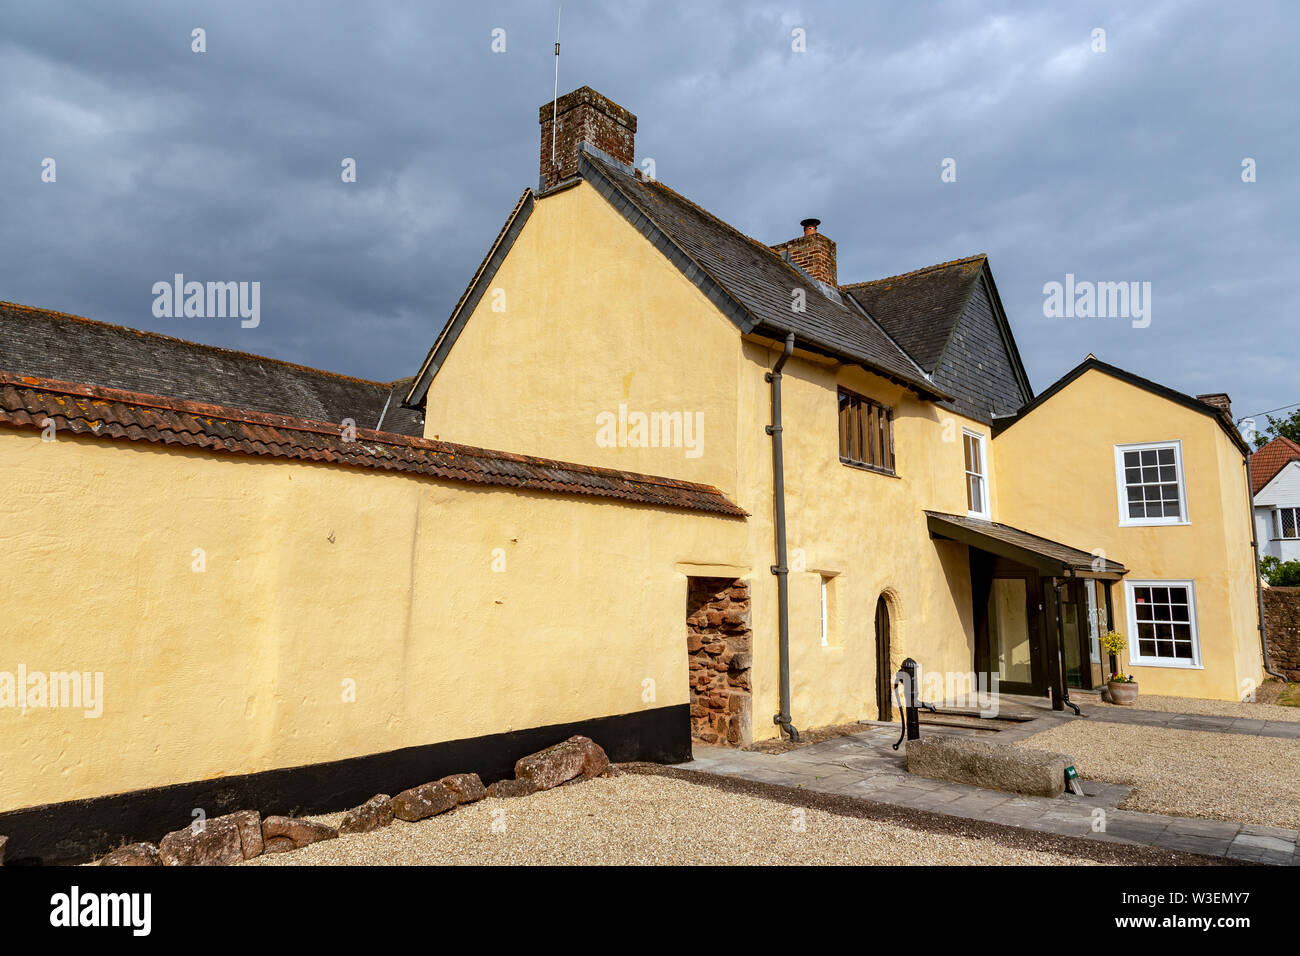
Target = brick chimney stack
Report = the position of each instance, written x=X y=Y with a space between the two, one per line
x=1217 y=400
x=584 y=116
x=812 y=252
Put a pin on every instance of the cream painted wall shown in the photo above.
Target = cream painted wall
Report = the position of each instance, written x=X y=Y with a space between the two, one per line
x=595 y=317
x=1054 y=475
x=867 y=529
x=241 y=668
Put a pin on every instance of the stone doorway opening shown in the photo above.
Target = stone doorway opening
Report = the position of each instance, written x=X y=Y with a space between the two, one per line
x=719 y=647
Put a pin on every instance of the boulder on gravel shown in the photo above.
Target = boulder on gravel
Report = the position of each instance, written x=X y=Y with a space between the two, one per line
x=300 y=832
x=982 y=763
x=466 y=786
x=426 y=800
x=553 y=766
x=249 y=823
x=216 y=843
x=511 y=788
x=133 y=854
x=375 y=813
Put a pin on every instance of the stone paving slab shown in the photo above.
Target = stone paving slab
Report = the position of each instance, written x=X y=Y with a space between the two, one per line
x=864 y=765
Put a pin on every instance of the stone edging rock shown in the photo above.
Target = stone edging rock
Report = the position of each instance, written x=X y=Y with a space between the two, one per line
x=240 y=836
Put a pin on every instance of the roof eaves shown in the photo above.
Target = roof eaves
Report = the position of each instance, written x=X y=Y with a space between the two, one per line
x=30 y=402
x=1137 y=381
x=469 y=299
x=1004 y=323
x=1032 y=549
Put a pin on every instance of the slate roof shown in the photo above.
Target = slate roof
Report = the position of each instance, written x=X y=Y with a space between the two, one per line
x=113 y=414
x=1269 y=460
x=70 y=348
x=920 y=309
x=757 y=281
x=1049 y=556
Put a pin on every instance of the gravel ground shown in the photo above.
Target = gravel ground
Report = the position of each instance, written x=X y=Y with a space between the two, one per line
x=1213 y=708
x=1188 y=773
x=651 y=819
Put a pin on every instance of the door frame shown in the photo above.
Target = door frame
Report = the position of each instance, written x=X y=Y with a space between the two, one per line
x=884 y=677
x=1034 y=620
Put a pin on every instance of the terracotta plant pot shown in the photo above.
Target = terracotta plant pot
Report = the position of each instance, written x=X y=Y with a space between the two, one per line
x=1122 y=692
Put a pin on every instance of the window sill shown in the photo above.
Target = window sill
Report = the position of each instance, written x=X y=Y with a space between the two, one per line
x=1169 y=665
x=1154 y=524
x=981 y=515
x=860 y=466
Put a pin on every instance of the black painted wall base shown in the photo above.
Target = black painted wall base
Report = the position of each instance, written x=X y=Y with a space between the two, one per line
x=79 y=830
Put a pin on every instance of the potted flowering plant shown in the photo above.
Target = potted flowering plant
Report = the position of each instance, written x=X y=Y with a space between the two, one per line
x=1123 y=687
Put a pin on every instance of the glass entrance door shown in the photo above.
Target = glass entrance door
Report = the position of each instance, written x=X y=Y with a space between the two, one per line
x=1013 y=634
x=1095 y=594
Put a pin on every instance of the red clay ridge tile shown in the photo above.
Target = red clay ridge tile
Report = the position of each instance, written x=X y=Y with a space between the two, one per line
x=26 y=401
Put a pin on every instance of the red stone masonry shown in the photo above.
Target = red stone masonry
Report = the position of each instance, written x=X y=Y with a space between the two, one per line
x=719 y=643
x=1282 y=624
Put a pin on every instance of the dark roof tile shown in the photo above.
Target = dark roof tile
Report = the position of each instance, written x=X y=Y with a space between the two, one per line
x=920 y=309
x=758 y=282
x=70 y=348
x=1269 y=460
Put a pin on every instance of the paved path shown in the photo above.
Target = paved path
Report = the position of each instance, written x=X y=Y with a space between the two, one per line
x=864 y=765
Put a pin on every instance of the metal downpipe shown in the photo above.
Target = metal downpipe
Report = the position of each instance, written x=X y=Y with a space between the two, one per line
x=1259 y=587
x=781 y=569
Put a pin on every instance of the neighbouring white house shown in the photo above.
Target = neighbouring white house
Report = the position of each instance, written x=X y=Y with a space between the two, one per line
x=1275 y=484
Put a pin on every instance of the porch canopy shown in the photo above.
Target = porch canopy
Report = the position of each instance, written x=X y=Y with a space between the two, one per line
x=1049 y=558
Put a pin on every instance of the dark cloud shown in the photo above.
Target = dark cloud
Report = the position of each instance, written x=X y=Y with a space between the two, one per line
x=1122 y=165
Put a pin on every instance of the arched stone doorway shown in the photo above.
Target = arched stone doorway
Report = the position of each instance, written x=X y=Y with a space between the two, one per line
x=884 y=676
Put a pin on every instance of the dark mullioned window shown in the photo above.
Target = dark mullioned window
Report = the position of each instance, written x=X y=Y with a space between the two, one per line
x=866 y=432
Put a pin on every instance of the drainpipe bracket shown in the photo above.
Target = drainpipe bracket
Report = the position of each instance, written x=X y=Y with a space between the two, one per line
x=778 y=569
x=773 y=429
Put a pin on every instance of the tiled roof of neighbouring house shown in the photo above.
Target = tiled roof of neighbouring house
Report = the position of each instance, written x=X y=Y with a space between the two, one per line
x=74 y=349
x=1269 y=460
x=28 y=401
x=920 y=309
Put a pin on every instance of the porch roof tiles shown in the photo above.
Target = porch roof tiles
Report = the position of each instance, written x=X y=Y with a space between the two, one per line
x=1047 y=556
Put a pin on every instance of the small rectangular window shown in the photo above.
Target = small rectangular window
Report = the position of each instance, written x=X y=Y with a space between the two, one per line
x=1286 y=523
x=1162 y=623
x=866 y=432
x=1150 y=482
x=826 y=619
x=977 y=482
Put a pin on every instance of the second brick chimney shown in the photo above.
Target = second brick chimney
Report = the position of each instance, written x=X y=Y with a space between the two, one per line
x=1217 y=400
x=583 y=116
x=812 y=252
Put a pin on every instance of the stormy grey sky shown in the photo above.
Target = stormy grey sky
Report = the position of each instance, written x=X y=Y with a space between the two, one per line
x=1123 y=165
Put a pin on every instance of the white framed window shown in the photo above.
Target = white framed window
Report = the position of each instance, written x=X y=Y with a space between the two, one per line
x=1149 y=478
x=1286 y=522
x=1162 y=624
x=977 y=474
